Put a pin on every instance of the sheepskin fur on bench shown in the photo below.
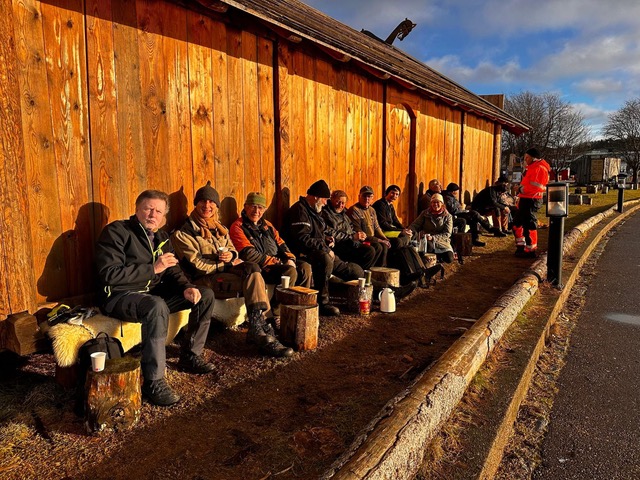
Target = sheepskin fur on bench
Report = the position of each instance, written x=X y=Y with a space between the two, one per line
x=67 y=339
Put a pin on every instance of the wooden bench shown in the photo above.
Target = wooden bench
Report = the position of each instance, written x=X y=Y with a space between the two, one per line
x=66 y=339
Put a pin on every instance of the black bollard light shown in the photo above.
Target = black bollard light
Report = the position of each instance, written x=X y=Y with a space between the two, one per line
x=621 y=179
x=557 y=209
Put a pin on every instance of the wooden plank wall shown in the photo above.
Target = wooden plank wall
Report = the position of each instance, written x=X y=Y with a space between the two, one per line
x=106 y=98
x=478 y=156
x=331 y=125
x=134 y=95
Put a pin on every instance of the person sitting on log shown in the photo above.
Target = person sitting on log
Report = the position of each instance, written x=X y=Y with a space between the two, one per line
x=348 y=242
x=307 y=237
x=208 y=256
x=425 y=199
x=351 y=244
x=488 y=201
x=391 y=226
x=141 y=281
x=401 y=256
x=462 y=217
x=258 y=241
x=437 y=224
x=364 y=219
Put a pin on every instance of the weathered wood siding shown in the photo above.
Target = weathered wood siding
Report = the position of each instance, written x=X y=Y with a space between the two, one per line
x=102 y=99
x=331 y=125
x=134 y=95
x=478 y=156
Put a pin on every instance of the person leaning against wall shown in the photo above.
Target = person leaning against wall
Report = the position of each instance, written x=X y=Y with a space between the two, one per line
x=258 y=241
x=142 y=282
x=208 y=256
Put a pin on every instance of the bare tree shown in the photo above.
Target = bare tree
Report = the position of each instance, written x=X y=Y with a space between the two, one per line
x=557 y=129
x=623 y=127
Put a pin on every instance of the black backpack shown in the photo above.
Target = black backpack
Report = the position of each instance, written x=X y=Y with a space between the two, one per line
x=101 y=343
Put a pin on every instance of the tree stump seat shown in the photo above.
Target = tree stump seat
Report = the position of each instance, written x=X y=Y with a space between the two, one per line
x=388 y=276
x=112 y=397
x=299 y=317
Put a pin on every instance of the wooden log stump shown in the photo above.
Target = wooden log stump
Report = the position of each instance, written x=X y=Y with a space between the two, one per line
x=605 y=189
x=429 y=259
x=113 y=398
x=461 y=243
x=347 y=294
x=388 y=276
x=592 y=189
x=297 y=296
x=22 y=335
x=299 y=326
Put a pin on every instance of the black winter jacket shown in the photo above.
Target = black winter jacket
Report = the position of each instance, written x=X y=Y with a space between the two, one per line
x=339 y=226
x=488 y=199
x=387 y=217
x=304 y=229
x=125 y=258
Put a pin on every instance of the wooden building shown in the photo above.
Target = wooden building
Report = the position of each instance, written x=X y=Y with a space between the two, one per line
x=596 y=166
x=101 y=99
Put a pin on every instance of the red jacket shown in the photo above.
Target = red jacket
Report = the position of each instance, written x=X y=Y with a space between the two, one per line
x=535 y=179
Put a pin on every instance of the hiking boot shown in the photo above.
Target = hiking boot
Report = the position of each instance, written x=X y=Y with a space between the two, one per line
x=404 y=290
x=497 y=232
x=259 y=334
x=328 y=310
x=276 y=349
x=195 y=364
x=159 y=393
x=478 y=243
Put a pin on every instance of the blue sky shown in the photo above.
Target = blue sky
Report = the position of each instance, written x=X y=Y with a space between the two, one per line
x=587 y=51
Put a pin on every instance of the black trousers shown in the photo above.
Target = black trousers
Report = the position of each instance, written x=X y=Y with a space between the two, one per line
x=323 y=266
x=364 y=255
x=152 y=311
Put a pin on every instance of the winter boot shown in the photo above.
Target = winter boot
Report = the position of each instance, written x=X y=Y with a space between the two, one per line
x=256 y=335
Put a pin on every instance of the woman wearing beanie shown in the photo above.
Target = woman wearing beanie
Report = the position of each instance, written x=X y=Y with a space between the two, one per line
x=437 y=224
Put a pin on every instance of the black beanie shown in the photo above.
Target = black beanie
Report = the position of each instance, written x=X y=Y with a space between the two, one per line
x=534 y=152
x=453 y=187
x=319 y=189
x=207 y=193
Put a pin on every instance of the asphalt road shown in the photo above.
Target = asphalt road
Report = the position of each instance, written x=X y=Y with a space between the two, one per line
x=594 y=430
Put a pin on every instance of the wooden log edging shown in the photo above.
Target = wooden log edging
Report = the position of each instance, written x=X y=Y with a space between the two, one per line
x=393 y=443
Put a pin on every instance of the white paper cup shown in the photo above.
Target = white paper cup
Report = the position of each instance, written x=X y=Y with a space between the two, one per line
x=284 y=281
x=97 y=361
x=222 y=249
x=361 y=282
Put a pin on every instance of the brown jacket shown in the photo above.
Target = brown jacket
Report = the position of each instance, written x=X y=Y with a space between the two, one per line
x=199 y=257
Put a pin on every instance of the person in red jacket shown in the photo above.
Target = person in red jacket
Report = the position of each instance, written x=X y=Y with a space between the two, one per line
x=532 y=187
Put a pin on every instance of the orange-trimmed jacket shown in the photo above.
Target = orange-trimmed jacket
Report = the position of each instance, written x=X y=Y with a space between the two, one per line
x=535 y=179
x=259 y=243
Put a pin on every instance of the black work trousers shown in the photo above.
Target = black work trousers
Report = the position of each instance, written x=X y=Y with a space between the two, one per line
x=152 y=311
x=323 y=266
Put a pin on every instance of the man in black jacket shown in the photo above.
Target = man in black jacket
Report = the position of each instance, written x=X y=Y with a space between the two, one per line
x=307 y=237
x=142 y=282
x=348 y=242
x=398 y=234
x=489 y=202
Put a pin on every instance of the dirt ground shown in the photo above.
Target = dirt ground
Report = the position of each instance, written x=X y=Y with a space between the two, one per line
x=261 y=417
